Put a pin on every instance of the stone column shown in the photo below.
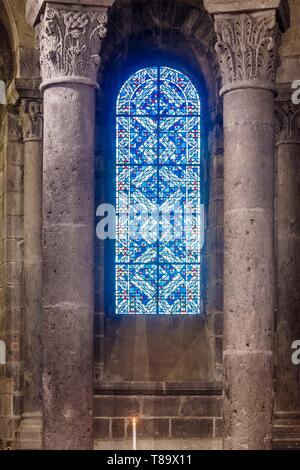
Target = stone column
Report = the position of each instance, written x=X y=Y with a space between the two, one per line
x=70 y=38
x=247 y=34
x=288 y=258
x=31 y=120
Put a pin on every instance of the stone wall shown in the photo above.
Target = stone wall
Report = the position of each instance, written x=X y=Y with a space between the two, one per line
x=215 y=241
x=166 y=422
x=11 y=248
x=290 y=48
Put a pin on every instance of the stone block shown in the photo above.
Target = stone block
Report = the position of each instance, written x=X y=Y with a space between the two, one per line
x=98 y=349
x=216 y=212
x=201 y=407
x=34 y=8
x=13 y=250
x=14 y=203
x=2 y=282
x=245 y=6
x=216 y=264
x=215 y=296
x=8 y=428
x=248 y=404
x=6 y=385
x=14 y=153
x=248 y=279
x=29 y=63
x=14 y=178
x=14 y=226
x=2 y=297
x=71 y=245
x=218 y=427
x=102 y=429
x=6 y=408
x=160 y=406
x=116 y=406
x=13 y=296
x=217 y=166
x=1 y=181
x=14 y=346
x=217 y=188
x=17 y=404
x=157 y=428
x=184 y=428
x=219 y=350
x=118 y=430
x=13 y=274
x=215 y=238
x=14 y=128
x=14 y=370
x=98 y=324
x=216 y=323
x=67 y=376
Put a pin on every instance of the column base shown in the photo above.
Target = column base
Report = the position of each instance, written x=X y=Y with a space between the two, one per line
x=29 y=434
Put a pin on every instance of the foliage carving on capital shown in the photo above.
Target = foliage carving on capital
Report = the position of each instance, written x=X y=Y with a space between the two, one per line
x=247 y=47
x=31 y=119
x=287 y=121
x=70 y=42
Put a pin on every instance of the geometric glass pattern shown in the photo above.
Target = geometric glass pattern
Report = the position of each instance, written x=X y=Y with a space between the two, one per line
x=158 y=172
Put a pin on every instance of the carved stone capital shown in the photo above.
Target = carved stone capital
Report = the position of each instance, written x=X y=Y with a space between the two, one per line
x=70 y=41
x=247 y=49
x=31 y=120
x=287 y=122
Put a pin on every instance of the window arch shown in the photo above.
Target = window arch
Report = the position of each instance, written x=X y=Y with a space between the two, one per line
x=158 y=203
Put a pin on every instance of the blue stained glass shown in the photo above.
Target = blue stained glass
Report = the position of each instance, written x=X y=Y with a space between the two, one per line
x=136 y=289
x=137 y=140
x=179 y=187
x=136 y=188
x=158 y=167
x=179 y=289
x=139 y=95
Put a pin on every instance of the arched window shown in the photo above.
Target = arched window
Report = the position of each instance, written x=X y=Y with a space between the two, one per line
x=158 y=205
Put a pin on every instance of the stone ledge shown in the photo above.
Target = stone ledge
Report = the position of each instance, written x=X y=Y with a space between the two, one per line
x=34 y=8
x=28 y=88
x=230 y=6
x=158 y=388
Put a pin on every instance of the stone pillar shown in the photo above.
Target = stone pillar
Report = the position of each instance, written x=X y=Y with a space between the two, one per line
x=70 y=38
x=247 y=34
x=288 y=258
x=31 y=120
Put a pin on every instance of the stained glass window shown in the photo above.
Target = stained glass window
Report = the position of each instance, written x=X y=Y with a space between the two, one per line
x=158 y=172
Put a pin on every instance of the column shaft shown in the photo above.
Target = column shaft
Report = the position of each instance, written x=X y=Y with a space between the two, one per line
x=248 y=273
x=68 y=209
x=33 y=174
x=288 y=269
x=29 y=433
